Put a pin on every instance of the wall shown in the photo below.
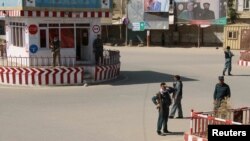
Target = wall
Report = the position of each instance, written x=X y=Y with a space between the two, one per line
x=188 y=35
x=46 y=52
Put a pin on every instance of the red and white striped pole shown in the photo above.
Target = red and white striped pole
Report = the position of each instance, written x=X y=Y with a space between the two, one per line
x=191 y=122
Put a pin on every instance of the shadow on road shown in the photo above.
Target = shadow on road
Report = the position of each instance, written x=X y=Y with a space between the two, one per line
x=144 y=77
x=173 y=133
x=240 y=75
x=176 y=133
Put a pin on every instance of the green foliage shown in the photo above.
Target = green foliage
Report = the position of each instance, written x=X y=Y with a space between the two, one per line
x=224 y=110
x=232 y=13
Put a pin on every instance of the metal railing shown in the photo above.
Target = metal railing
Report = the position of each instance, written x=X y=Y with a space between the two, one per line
x=10 y=61
x=200 y=120
x=110 y=57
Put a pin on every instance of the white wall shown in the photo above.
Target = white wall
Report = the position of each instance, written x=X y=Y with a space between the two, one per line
x=46 y=52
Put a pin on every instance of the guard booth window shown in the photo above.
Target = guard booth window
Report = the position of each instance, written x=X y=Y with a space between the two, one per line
x=232 y=35
x=17 y=34
x=43 y=39
x=65 y=32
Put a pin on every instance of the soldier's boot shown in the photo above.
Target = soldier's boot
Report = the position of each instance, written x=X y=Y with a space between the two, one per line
x=223 y=73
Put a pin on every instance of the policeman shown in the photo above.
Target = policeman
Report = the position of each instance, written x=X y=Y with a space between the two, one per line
x=177 y=96
x=222 y=91
x=56 y=51
x=98 y=49
x=228 y=63
x=162 y=101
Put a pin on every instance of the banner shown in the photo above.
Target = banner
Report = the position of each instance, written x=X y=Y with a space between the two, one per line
x=157 y=18
x=73 y=3
x=156 y=5
x=201 y=12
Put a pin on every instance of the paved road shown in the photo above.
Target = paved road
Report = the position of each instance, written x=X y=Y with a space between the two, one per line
x=120 y=110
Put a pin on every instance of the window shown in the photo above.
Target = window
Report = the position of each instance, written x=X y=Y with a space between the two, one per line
x=64 y=31
x=232 y=35
x=67 y=38
x=53 y=32
x=246 y=4
x=17 y=34
x=43 y=39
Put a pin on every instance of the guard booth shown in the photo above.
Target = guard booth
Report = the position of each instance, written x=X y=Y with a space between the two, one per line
x=30 y=27
x=32 y=24
x=237 y=36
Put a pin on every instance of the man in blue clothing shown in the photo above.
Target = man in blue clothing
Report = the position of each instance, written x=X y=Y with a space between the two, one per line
x=162 y=101
x=154 y=6
x=222 y=91
x=228 y=59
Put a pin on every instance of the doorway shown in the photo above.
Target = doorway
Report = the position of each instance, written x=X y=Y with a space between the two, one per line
x=82 y=42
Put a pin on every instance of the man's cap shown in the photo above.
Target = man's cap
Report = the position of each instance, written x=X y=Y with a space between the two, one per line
x=221 y=77
x=228 y=47
x=163 y=84
x=206 y=3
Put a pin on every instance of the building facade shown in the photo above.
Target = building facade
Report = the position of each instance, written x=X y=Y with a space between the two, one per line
x=237 y=35
x=164 y=27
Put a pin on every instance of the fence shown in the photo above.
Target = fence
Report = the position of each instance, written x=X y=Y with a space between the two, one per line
x=110 y=57
x=200 y=120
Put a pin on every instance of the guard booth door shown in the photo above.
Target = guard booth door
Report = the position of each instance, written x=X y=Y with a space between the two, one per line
x=82 y=42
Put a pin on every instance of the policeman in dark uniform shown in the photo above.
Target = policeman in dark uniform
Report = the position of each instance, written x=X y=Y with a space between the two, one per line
x=162 y=100
x=98 y=49
x=55 y=48
x=222 y=91
x=228 y=63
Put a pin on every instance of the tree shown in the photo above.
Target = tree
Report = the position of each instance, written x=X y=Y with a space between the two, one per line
x=232 y=13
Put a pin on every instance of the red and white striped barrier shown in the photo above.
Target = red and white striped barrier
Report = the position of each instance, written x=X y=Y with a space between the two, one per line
x=56 y=14
x=41 y=76
x=103 y=73
x=244 y=63
x=200 y=120
x=188 y=137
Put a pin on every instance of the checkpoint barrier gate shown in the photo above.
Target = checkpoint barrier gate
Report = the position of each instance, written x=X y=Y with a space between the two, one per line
x=200 y=120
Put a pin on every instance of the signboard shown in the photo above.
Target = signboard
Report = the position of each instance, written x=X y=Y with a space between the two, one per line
x=105 y=4
x=30 y=3
x=138 y=26
x=156 y=5
x=10 y=3
x=33 y=49
x=73 y=3
x=154 y=19
x=201 y=12
x=96 y=28
x=33 y=29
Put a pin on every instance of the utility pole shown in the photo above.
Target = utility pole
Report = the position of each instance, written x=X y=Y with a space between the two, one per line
x=121 y=12
x=126 y=22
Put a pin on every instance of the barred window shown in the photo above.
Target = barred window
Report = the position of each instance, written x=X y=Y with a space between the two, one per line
x=17 y=34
